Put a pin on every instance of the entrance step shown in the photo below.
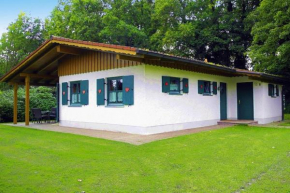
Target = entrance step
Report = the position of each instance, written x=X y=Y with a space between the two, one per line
x=237 y=122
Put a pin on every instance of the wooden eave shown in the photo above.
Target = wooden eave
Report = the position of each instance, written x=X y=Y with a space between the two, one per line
x=42 y=64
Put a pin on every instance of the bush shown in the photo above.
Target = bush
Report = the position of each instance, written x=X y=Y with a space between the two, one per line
x=287 y=109
x=40 y=97
x=6 y=106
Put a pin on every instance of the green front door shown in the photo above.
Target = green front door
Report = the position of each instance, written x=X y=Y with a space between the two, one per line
x=245 y=101
x=223 y=100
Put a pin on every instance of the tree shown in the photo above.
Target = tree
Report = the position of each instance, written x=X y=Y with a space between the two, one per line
x=209 y=29
x=167 y=16
x=127 y=22
x=22 y=38
x=270 y=50
x=76 y=19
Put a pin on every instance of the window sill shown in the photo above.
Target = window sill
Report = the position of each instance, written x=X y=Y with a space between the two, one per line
x=75 y=105
x=172 y=93
x=207 y=94
x=115 y=106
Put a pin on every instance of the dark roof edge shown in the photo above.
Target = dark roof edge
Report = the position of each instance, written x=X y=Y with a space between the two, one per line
x=280 y=78
x=198 y=62
x=201 y=63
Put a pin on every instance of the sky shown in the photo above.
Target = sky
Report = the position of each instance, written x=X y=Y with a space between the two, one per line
x=9 y=10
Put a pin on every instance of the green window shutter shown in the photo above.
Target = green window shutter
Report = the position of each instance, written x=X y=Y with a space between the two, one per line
x=200 y=86
x=101 y=91
x=270 y=89
x=64 y=94
x=165 y=84
x=214 y=87
x=84 y=92
x=185 y=85
x=277 y=90
x=128 y=90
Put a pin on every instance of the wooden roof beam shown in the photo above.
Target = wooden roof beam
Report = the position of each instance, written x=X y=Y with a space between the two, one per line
x=41 y=58
x=32 y=84
x=68 y=50
x=55 y=71
x=42 y=76
x=49 y=63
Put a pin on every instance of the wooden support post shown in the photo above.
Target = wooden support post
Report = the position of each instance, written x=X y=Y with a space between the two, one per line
x=15 y=104
x=27 y=86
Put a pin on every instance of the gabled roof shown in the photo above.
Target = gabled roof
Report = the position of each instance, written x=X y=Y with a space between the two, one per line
x=45 y=59
x=43 y=62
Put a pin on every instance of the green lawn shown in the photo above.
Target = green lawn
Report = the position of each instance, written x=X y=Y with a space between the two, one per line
x=251 y=158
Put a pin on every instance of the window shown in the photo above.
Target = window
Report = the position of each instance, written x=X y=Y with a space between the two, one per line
x=78 y=93
x=273 y=90
x=115 y=90
x=75 y=92
x=207 y=88
x=120 y=91
x=174 y=86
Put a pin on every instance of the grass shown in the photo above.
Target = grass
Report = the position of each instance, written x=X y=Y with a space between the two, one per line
x=238 y=158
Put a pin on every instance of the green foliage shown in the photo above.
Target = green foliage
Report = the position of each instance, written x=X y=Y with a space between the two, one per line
x=6 y=106
x=23 y=37
x=287 y=108
x=43 y=98
x=96 y=20
x=271 y=37
x=40 y=97
x=76 y=19
x=225 y=160
x=127 y=35
x=216 y=30
x=270 y=49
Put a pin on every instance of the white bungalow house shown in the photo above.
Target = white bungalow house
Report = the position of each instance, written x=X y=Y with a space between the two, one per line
x=119 y=88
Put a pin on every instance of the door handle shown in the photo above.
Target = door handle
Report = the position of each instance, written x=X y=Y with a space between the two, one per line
x=239 y=102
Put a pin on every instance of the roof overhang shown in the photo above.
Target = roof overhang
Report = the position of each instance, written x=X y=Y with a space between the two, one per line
x=215 y=69
x=42 y=64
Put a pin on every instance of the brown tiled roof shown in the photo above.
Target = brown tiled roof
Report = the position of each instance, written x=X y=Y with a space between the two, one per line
x=133 y=50
x=93 y=43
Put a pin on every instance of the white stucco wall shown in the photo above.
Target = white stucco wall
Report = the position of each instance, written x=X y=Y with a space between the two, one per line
x=174 y=112
x=103 y=117
x=156 y=112
x=268 y=109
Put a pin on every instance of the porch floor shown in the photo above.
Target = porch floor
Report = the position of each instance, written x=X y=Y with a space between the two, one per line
x=237 y=122
x=117 y=136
